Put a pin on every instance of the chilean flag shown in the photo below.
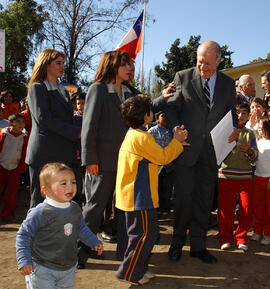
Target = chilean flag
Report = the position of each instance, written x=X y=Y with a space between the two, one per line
x=132 y=42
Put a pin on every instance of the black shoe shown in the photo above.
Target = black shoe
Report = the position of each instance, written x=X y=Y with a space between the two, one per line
x=204 y=256
x=106 y=237
x=81 y=266
x=175 y=253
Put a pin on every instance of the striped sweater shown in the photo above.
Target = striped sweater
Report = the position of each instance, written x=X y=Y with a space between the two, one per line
x=237 y=165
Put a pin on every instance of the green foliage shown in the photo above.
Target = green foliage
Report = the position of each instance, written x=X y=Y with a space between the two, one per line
x=183 y=57
x=22 y=22
x=261 y=59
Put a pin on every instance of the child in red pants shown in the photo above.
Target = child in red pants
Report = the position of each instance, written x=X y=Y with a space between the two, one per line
x=13 y=143
x=261 y=197
x=235 y=177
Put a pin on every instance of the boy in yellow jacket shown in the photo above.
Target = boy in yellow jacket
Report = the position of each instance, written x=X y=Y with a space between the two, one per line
x=137 y=186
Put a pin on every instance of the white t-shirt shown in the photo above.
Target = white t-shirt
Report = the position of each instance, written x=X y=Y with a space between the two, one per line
x=263 y=161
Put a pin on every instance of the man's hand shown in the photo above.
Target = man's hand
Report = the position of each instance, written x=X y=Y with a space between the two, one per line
x=26 y=270
x=233 y=136
x=92 y=169
x=168 y=91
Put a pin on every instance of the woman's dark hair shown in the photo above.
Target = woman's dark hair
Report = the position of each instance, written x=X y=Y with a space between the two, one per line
x=109 y=64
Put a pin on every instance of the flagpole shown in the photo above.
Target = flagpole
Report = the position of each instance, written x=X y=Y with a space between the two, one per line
x=143 y=34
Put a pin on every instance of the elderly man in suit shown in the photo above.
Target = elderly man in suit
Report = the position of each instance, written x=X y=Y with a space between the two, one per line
x=203 y=97
x=246 y=86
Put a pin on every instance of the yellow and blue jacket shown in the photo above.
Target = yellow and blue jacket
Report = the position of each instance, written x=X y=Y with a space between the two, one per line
x=137 y=171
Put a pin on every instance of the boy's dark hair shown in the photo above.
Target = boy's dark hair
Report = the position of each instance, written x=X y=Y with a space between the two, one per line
x=1 y=108
x=81 y=95
x=134 y=109
x=243 y=106
x=158 y=114
x=15 y=116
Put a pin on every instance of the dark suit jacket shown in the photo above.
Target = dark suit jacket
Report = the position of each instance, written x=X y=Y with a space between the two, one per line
x=103 y=129
x=189 y=108
x=53 y=136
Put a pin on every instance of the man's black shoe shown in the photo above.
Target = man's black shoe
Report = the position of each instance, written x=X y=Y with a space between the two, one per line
x=80 y=266
x=106 y=237
x=204 y=256
x=175 y=253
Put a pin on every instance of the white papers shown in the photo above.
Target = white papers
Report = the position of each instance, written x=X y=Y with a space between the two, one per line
x=220 y=134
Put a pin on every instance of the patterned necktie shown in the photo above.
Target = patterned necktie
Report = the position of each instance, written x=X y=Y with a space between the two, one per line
x=206 y=91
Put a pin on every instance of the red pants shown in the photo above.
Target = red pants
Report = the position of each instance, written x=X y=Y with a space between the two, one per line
x=227 y=192
x=261 y=206
x=12 y=180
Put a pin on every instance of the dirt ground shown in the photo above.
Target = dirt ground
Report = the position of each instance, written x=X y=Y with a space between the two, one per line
x=234 y=270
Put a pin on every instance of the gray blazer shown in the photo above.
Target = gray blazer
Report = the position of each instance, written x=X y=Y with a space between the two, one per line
x=53 y=136
x=189 y=108
x=103 y=129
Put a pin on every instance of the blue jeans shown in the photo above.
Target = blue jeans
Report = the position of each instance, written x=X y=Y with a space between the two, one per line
x=43 y=277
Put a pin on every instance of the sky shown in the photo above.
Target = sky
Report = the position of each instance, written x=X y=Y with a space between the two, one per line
x=241 y=25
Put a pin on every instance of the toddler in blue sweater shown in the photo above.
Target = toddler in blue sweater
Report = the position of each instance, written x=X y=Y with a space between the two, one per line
x=46 y=243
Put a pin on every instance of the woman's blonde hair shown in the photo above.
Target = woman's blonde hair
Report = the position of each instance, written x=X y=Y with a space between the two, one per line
x=45 y=57
x=109 y=64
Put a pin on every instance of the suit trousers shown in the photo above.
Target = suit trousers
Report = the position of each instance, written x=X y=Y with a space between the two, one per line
x=98 y=192
x=227 y=193
x=142 y=231
x=36 y=197
x=194 y=190
x=261 y=204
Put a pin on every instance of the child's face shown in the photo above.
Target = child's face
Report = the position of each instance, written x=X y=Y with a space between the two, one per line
x=242 y=115
x=8 y=99
x=256 y=108
x=161 y=120
x=17 y=125
x=260 y=129
x=80 y=105
x=62 y=186
x=148 y=118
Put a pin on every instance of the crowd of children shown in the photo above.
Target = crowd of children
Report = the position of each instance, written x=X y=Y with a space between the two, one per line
x=143 y=184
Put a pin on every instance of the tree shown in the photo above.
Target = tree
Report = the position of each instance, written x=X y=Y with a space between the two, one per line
x=22 y=21
x=261 y=59
x=179 y=58
x=76 y=26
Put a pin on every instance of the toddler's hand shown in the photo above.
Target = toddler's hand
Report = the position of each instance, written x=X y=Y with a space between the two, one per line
x=26 y=270
x=99 y=249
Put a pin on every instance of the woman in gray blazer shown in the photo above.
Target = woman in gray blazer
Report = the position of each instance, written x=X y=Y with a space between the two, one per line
x=53 y=136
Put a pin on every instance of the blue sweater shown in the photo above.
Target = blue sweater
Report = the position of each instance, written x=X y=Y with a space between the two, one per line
x=49 y=236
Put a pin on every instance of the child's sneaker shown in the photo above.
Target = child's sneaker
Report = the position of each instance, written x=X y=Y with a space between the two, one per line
x=265 y=240
x=225 y=246
x=142 y=281
x=243 y=247
x=255 y=237
x=150 y=275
